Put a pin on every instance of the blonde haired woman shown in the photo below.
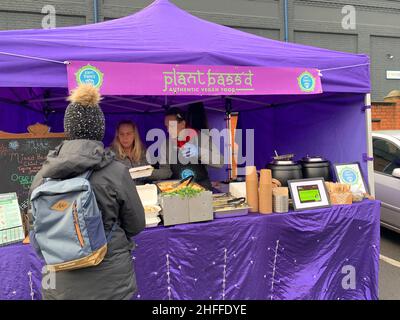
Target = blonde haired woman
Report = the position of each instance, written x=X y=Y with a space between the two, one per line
x=127 y=145
x=130 y=150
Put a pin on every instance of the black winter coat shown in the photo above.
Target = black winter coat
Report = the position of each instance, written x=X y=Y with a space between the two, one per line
x=118 y=200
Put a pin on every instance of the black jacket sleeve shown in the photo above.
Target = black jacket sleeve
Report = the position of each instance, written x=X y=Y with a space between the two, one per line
x=131 y=208
x=37 y=181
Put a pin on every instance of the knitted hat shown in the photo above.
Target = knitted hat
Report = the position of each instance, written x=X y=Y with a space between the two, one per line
x=83 y=118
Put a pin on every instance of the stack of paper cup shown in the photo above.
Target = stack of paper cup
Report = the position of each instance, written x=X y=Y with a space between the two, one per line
x=252 y=188
x=265 y=191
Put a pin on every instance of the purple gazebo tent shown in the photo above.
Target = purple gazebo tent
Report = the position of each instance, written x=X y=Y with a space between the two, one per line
x=334 y=124
x=33 y=81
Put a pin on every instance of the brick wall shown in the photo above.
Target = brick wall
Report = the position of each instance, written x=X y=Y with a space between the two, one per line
x=386 y=115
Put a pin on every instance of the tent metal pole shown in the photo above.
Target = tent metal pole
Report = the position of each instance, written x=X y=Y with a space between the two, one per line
x=370 y=153
x=136 y=101
x=195 y=101
x=215 y=109
x=35 y=97
x=250 y=101
x=22 y=105
x=16 y=95
x=48 y=99
x=121 y=107
x=228 y=112
x=31 y=57
x=46 y=108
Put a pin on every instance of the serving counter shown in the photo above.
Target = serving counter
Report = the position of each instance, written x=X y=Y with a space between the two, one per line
x=330 y=253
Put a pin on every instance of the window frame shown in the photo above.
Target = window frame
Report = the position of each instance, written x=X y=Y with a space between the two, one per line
x=387 y=139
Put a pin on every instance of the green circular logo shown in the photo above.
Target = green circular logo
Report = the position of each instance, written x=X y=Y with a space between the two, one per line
x=91 y=75
x=306 y=82
x=349 y=176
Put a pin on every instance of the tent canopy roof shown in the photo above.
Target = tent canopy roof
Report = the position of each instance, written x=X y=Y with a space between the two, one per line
x=160 y=33
x=163 y=33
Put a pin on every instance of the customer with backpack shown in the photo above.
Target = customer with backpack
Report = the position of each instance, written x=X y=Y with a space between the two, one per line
x=66 y=225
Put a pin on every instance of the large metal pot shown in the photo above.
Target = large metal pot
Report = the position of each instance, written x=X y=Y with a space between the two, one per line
x=284 y=170
x=316 y=167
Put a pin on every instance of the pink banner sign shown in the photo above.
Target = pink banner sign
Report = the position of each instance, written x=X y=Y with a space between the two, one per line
x=120 y=78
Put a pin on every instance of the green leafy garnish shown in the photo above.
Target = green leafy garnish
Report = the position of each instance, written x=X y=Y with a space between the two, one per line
x=186 y=192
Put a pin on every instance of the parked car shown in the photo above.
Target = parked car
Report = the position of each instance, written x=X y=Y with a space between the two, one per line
x=386 y=147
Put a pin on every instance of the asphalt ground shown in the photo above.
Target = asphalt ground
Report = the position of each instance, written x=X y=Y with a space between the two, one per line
x=389 y=273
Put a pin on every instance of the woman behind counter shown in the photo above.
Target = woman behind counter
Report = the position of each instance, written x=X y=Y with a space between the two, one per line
x=130 y=150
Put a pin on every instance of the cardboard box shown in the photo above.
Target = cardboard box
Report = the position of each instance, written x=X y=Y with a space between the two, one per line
x=341 y=198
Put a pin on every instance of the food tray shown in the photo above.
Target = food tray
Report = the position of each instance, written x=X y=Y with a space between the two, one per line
x=173 y=185
x=231 y=212
x=223 y=209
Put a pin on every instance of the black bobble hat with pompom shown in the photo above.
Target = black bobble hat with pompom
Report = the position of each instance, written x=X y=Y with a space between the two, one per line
x=83 y=117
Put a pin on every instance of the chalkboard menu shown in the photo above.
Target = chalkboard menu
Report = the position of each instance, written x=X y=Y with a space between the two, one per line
x=22 y=156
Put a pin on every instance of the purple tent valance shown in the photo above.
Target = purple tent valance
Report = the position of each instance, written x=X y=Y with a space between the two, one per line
x=122 y=78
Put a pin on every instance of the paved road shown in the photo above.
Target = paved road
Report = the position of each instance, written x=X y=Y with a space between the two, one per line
x=389 y=275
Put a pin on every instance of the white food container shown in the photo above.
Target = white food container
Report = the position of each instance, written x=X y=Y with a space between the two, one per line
x=149 y=197
x=238 y=189
x=141 y=172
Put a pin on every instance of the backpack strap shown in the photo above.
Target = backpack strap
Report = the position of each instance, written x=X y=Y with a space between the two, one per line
x=109 y=236
x=86 y=175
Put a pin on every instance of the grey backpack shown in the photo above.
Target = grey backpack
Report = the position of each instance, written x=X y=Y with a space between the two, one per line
x=68 y=227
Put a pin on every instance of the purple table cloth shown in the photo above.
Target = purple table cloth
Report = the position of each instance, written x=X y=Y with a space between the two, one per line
x=330 y=253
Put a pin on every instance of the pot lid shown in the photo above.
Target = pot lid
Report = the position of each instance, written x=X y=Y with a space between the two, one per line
x=313 y=159
x=284 y=162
